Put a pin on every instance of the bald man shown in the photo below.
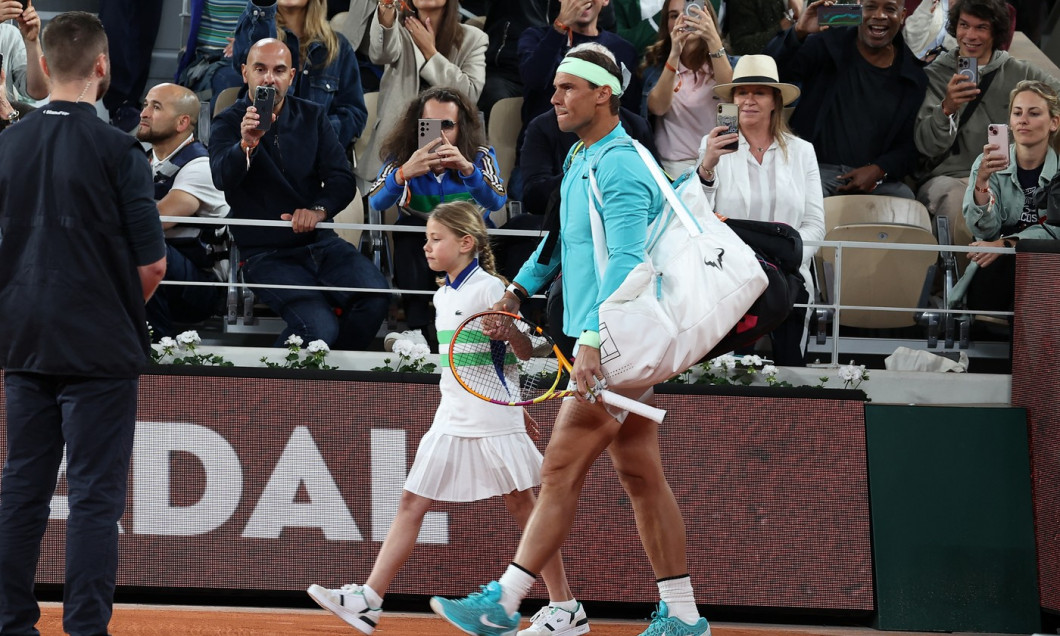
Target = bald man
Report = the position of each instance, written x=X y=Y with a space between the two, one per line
x=183 y=187
x=296 y=171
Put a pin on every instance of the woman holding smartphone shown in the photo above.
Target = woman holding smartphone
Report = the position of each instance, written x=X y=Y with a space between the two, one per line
x=457 y=165
x=999 y=205
x=680 y=72
x=419 y=44
x=771 y=175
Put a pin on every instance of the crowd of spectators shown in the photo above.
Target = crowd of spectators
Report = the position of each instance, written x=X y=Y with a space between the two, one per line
x=883 y=110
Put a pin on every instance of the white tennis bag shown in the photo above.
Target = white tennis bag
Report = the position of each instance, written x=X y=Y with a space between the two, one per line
x=696 y=282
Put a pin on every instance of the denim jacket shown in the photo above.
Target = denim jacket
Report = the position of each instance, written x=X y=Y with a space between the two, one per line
x=336 y=87
x=1000 y=217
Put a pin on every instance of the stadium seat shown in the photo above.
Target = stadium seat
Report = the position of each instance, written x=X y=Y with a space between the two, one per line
x=505 y=122
x=227 y=97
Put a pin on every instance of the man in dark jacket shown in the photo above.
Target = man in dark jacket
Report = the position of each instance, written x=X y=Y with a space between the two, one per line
x=296 y=171
x=80 y=250
x=861 y=89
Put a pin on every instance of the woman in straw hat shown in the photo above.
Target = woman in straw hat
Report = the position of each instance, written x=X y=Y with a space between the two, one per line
x=766 y=173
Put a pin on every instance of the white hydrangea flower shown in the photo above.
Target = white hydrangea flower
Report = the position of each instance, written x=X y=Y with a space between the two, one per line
x=769 y=370
x=294 y=340
x=167 y=343
x=751 y=360
x=403 y=347
x=850 y=373
x=190 y=337
x=317 y=346
x=420 y=352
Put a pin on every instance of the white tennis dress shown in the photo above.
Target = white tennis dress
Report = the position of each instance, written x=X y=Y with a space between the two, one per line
x=474 y=449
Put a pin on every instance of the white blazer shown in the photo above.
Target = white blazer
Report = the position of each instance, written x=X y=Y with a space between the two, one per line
x=799 y=200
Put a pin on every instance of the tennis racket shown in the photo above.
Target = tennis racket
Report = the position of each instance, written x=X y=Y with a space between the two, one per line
x=519 y=365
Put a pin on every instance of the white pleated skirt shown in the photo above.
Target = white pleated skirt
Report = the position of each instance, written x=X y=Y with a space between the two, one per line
x=449 y=468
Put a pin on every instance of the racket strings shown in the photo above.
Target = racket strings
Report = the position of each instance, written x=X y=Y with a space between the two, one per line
x=492 y=370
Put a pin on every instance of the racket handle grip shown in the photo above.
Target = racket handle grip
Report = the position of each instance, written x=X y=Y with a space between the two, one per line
x=633 y=406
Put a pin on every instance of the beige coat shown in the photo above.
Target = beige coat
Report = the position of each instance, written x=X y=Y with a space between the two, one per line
x=395 y=50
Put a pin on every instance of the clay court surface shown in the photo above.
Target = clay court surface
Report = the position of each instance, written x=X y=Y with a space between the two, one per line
x=167 y=620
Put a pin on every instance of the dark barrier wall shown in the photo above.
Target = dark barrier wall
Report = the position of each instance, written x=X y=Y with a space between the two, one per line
x=272 y=483
x=1035 y=375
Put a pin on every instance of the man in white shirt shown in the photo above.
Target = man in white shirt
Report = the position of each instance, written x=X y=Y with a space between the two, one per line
x=20 y=47
x=183 y=187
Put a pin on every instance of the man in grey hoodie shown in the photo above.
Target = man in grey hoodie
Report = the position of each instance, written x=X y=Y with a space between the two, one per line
x=952 y=122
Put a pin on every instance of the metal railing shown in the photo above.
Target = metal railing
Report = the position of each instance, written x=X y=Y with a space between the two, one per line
x=836 y=307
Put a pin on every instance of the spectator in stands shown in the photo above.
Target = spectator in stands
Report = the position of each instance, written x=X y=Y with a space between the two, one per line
x=20 y=46
x=505 y=22
x=10 y=112
x=296 y=171
x=541 y=49
x=951 y=125
x=861 y=87
x=680 y=72
x=638 y=22
x=1000 y=205
x=206 y=64
x=771 y=176
x=419 y=48
x=926 y=30
x=81 y=251
x=132 y=26
x=325 y=65
x=183 y=187
x=753 y=23
x=458 y=166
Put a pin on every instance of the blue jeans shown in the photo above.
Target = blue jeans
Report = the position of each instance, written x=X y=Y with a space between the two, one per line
x=311 y=314
x=95 y=417
x=182 y=303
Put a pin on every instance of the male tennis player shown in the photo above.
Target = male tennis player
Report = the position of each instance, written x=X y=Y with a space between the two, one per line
x=586 y=99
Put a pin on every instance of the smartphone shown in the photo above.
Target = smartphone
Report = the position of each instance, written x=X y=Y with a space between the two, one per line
x=429 y=132
x=839 y=15
x=264 y=99
x=997 y=134
x=692 y=3
x=969 y=67
x=729 y=116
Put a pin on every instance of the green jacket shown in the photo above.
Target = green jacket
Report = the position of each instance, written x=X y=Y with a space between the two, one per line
x=932 y=134
x=991 y=222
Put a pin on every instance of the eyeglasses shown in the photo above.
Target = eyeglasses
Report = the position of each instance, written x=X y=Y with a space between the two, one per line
x=448 y=124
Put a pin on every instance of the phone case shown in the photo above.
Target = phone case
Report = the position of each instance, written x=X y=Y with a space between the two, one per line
x=997 y=134
x=729 y=116
x=969 y=67
x=690 y=3
x=429 y=132
x=264 y=99
x=839 y=15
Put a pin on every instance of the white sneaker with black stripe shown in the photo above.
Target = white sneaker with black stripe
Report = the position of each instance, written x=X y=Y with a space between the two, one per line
x=551 y=620
x=349 y=604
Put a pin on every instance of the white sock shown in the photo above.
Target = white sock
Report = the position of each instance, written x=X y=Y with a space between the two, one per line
x=374 y=600
x=570 y=606
x=680 y=599
x=515 y=585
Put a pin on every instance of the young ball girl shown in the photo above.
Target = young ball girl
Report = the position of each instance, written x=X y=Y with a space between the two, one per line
x=489 y=444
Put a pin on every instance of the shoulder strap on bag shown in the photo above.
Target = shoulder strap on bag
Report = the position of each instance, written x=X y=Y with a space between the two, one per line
x=677 y=207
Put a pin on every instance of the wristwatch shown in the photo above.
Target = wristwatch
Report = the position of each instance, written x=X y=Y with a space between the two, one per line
x=720 y=53
x=320 y=208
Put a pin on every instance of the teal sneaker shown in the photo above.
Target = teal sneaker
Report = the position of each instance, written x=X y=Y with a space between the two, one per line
x=663 y=625
x=480 y=614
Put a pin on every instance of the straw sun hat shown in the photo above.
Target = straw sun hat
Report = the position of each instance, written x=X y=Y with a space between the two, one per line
x=758 y=70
